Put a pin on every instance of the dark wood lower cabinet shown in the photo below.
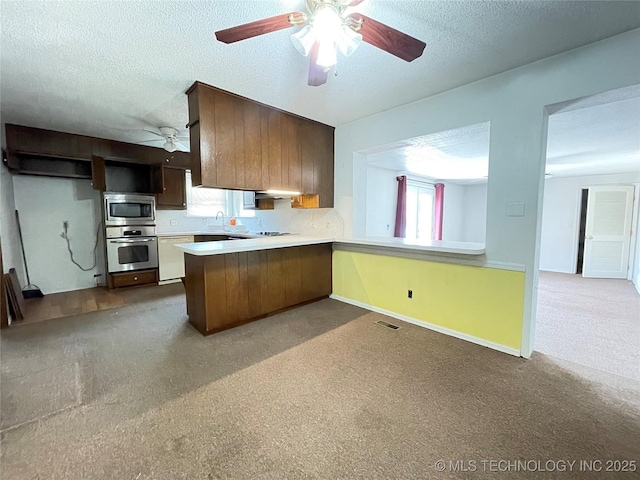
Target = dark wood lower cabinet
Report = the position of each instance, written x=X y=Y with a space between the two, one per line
x=129 y=279
x=228 y=290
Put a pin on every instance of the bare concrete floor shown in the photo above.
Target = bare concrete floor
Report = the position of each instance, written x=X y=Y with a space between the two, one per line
x=317 y=392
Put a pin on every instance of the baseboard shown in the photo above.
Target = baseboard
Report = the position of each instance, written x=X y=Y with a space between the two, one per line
x=515 y=267
x=551 y=270
x=172 y=280
x=431 y=326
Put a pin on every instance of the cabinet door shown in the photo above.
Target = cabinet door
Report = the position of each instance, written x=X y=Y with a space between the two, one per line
x=98 y=174
x=173 y=195
x=324 y=167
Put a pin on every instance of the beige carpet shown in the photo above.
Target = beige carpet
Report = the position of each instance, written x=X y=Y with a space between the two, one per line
x=590 y=321
x=317 y=392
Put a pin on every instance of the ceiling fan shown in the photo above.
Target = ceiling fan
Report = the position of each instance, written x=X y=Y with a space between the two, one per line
x=326 y=29
x=170 y=136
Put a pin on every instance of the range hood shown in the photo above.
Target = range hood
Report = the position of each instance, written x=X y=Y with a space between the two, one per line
x=276 y=194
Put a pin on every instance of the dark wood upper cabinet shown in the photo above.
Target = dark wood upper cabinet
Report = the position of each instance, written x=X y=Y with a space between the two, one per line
x=240 y=144
x=31 y=143
x=98 y=174
x=169 y=183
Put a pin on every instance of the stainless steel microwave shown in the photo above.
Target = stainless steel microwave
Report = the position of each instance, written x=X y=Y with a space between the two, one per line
x=128 y=209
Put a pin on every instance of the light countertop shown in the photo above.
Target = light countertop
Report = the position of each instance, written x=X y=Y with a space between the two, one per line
x=267 y=243
x=210 y=232
x=250 y=244
x=437 y=246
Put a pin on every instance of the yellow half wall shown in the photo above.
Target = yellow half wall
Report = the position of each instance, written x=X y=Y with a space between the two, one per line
x=485 y=303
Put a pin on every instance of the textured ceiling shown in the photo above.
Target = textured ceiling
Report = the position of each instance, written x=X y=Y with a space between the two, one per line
x=589 y=138
x=110 y=68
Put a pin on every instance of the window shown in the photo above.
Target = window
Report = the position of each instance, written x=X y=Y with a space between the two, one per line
x=206 y=202
x=420 y=210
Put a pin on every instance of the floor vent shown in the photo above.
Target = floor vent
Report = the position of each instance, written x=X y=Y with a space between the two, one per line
x=388 y=325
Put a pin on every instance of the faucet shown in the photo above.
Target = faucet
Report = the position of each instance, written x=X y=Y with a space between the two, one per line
x=220 y=212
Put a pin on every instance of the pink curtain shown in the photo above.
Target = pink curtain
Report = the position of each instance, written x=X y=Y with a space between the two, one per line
x=438 y=211
x=401 y=208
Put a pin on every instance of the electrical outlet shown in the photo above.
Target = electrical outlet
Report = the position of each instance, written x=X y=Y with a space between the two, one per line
x=173 y=223
x=204 y=220
x=410 y=293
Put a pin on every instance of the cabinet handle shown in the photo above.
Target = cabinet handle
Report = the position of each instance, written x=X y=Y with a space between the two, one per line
x=135 y=278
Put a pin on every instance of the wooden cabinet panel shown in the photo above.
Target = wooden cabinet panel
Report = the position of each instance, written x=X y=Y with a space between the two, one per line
x=275 y=280
x=292 y=276
x=225 y=141
x=240 y=140
x=324 y=180
x=253 y=146
x=306 y=135
x=275 y=151
x=173 y=192
x=98 y=174
x=316 y=271
x=255 y=294
x=195 y=147
x=291 y=163
x=264 y=147
x=227 y=290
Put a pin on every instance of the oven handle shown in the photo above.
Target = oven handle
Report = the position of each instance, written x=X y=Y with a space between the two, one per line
x=133 y=241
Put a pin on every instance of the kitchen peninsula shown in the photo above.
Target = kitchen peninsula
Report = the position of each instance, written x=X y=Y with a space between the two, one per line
x=229 y=283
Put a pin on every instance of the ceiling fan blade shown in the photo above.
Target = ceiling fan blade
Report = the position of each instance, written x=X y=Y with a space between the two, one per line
x=155 y=140
x=389 y=39
x=181 y=146
x=355 y=2
x=317 y=73
x=260 y=27
x=182 y=137
x=154 y=132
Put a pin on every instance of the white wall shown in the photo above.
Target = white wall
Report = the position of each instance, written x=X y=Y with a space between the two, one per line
x=475 y=213
x=453 y=214
x=514 y=102
x=382 y=196
x=561 y=217
x=44 y=203
x=635 y=271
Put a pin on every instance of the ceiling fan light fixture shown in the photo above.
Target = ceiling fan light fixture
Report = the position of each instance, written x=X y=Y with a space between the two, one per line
x=304 y=40
x=348 y=41
x=169 y=146
x=327 y=56
x=327 y=23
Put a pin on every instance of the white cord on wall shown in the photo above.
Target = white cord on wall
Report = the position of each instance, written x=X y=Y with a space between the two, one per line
x=65 y=235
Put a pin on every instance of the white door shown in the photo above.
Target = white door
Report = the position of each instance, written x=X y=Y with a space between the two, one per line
x=608 y=232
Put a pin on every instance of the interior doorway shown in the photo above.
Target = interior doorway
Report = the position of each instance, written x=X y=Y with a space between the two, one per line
x=588 y=302
x=605 y=231
x=584 y=198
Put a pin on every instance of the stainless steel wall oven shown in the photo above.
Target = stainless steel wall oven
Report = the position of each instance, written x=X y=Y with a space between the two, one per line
x=131 y=248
